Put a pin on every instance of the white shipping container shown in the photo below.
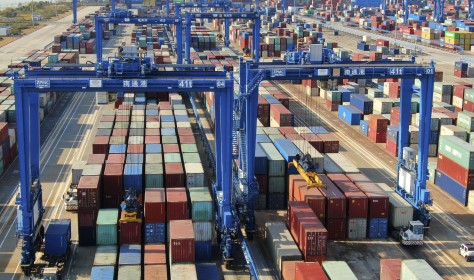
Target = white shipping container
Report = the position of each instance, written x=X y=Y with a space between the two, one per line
x=12 y=135
x=418 y=269
x=183 y=271
x=194 y=175
x=183 y=125
x=338 y=270
x=280 y=244
x=401 y=212
x=203 y=231
x=3 y=116
x=330 y=166
x=458 y=102
x=383 y=105
x=414 y=134
x=454 y=130
x=346 y=166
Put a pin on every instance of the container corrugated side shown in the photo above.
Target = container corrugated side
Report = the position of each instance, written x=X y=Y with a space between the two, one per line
x=194 y=174
x=203 y=231
x=183 y=271
x=201 y=204
x=309 y=270
x=281 y=245
x=107 y=227
x=400 y=212
x=338 y=270
x=155 y=272
x=390 y=269
x=154 y=175
x=418 y=269
x=276 y=162
x=103 y=273
x=289 y=151
x=208 y=271
x=105 y=256
x=130 y=254
x=127 y=272
x=181 y=241
x=357 y=228
x=457 y=150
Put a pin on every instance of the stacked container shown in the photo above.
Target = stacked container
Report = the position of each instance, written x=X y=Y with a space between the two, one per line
x=276 y=176
x=155 y=216
x=130 y=261
x=336 y=208
x=202 y=214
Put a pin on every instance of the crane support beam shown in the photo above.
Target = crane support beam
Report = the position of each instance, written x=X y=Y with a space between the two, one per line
x=227 y=17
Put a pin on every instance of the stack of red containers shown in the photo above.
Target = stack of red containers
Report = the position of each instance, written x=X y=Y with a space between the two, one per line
x=378 y=128
x=315 y=141
x=280 y=116
x=312 y=196
x=335 y=209
x=331 y=143
x=176 y=204
x=263 y=111
x=181 y=241
x=394 y=90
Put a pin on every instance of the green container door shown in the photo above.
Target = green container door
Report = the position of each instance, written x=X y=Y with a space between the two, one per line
x=201 y=204
x=107 y=227
x=457 y=150
x=154 y=175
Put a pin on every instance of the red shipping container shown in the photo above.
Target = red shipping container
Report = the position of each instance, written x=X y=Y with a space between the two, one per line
x=170 y=148
x=288 y=269
x=123 y=118
x=287 y=130
x=107 y=119
x=135 y=149
x=113 y=179
x=175 y=177
x=151 y=132
x=181 y=241
x=176 y=204
x=263 y=111
x=378 y=200
x=378 y=123
x=312 y=196
x=283 y=98
x=87 y=217
x=115 y=159
x=315 y=141
x=336 y=229
x=357 y=202
x=377 y=137
x=152 y=139
x=294 y=207
x=390 y=269
x=394 y=90
x=309 y=271
x=438 y=76
x=331 y=143
x=185 y=131
x=391 y=147
x=187 y=139
x=262 y=183
x=100 y=145
x=154 y=254
x=155 y=206
x=468 y=106
x=457 y=172
x=300 y=215
x=96 y=159
x=314 y=238
x=335 y=200
x=130 y=233
x=88 y=192
x=293 y=137
x=112 y=200
x=281 y=115
x=458 y=90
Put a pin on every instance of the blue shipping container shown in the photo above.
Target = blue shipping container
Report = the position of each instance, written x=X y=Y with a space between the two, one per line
x=155 y=232
x=318 y=130
x=153 y=148
x=377 y=228
x=130 y=254
x=208 y=271
x=362 y=103
x=345 y=94
x=133 y=177
x=152 y=112
x=262 y=138
x=364 y=127
x=289 y=151
x=118 y=149
x=57 y=238
x=349 y=114
x=168 y=131
x=392 y=132
x=167 y=118
x=203 y=251
x=134 y=159
x=103 y=273
x=181 y=118
x=260 y=161
x=453 y=188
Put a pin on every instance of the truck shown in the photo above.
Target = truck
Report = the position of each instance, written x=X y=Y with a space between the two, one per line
x=467 y=251
x=412 y=235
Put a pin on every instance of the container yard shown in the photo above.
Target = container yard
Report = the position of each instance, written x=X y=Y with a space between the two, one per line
x=240 y=140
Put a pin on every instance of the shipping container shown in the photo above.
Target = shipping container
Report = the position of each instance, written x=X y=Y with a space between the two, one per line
x=288 y=270
x=378 y=199
x=155 y=206
x=175 y=177
x=103 y=273
x=130 y=232
x=208 y=271
x=344 y=164
x=309 y=270
x=88 y=192
x=315 y=199
x=377 y=228
x=183 y=271
x=194 y=175
x=181 y=241
x=201 y=204
x=127 y=272
x=357 y=202
x=203 y=251
x=154 y=254
x=155 y=233
x=338 y=270
x=280 y=244
x=130 y=254
x=57 y=238
x=289 y=152
x=107 y=227
x=453 y=188
x=155 y=272
x=335 y=200
x=390 y=269
x=336 y=228
x=418 y=269
x=276 y=162
x=105 y=256
x=401 y=212
x=176 y=204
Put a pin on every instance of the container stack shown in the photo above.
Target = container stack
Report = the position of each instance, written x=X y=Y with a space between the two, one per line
x=202 y=217
x=275 y=180
x=130 y=262
x=338 y=270
x=181 y=246
x=336 y=211
x=105 y=260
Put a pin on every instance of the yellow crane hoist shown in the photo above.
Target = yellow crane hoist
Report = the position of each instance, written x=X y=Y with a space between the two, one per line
x=307 y=170
x=247 y=52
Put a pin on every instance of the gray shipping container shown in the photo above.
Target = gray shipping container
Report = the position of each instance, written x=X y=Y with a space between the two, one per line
x=280 y=244
x=330 y=167
x=276 y=162
x=357 y=228
x=105 y=256
x=343 y=163
x=418 y=270
x=127 y=272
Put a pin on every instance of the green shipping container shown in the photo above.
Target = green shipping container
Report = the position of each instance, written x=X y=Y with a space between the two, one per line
x=105 y=255
x=471 y=138
x=191 y=158
x=106 y=125
x=338 y=270
x=121 y=125
x=276 y=184
x=457 y=150
x=172 y=157
x=469 y=94
x=466 y=120
x=107 y=227
x=169 y=139
x=153 y=158
x=189 y=148
x=154 y=175
x=418 y=269
x=201 y=204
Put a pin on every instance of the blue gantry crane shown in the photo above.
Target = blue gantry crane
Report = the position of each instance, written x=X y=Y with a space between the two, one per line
x=227 y=16
x=471 y=9
x=438 y=11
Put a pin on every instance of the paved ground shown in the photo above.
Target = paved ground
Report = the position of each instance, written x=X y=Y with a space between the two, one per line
x=38 y=39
